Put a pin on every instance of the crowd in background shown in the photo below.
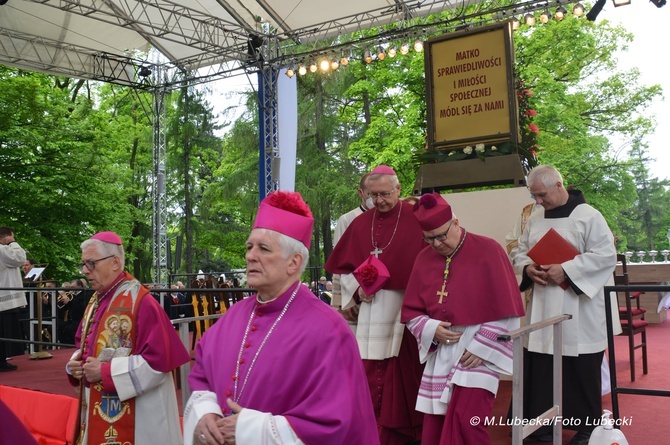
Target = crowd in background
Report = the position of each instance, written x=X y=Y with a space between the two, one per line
x=64 y=305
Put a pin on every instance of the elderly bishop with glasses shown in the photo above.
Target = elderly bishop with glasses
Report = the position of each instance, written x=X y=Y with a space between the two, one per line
x=374 y=257
x=127 y=349
x=461 y=295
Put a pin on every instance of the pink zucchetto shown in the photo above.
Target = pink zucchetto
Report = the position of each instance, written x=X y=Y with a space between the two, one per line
x=108 y=237
x=286 y=213
x=432 y=211
x=382 y=170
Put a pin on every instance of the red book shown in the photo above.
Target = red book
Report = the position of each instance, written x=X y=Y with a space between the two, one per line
x=552 y=249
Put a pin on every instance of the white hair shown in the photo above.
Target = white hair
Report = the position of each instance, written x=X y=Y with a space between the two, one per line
x=545 y=173
x=105 y=249
x=290 y=246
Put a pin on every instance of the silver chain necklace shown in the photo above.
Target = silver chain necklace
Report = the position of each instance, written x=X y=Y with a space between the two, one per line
x=236 y=396
x=378 y=250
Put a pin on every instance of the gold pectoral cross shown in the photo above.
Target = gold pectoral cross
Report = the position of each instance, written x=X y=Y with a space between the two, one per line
x=442 y=293
x=376 y=252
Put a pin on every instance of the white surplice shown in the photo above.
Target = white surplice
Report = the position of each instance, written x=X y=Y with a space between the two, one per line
x=443 y=369
x=590 y=271
x=378 y=331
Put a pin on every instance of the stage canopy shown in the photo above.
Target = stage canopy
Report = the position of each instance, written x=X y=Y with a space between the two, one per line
x=109 y=40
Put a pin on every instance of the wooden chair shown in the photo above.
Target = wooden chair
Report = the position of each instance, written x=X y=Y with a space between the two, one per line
x=636 y=310
x=203 y=304
x=632 y=326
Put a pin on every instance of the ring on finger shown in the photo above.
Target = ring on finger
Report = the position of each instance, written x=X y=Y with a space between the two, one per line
x=202 y=438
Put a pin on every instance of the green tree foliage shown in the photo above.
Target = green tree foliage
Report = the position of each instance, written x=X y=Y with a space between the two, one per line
x=645 y=225
x=230 y=200
x=324 y=171
x=583 y=102
x=55 y=185
x=194 y=154
x=388 y=98
x=126 y=149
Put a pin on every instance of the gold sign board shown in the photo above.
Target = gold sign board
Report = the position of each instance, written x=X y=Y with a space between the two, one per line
x=470 y=88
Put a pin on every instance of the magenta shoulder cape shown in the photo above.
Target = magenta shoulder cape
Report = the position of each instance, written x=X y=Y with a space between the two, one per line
x=309 y=369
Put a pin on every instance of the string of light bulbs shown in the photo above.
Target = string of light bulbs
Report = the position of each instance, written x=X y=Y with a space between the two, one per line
x=327 y=63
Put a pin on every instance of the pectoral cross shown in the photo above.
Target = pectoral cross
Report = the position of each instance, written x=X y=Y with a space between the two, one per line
x=376 y=252
x=442 y=293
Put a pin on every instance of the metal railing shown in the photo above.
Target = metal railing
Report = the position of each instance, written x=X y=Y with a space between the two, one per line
x=36 y=322
x=520 y=428
x=185 y=369
x=181 y=323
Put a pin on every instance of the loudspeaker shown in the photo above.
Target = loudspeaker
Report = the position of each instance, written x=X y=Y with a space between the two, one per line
x=254 y=45
x=168 y=254
x=275 y=164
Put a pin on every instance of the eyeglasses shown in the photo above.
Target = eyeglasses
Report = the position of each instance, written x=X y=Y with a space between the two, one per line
x=382 y=195
x=442 y=237
x=90 y=264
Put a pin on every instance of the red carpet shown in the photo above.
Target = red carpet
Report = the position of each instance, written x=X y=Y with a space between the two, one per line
x=648 y=416
x=47 y=375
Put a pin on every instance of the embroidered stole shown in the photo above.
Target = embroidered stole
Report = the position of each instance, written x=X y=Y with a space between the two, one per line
x=111 y=421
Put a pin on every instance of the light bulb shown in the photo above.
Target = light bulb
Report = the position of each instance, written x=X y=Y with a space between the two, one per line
x=545 y=17
x=393 y=50
x=529 y=19
x=560 y=13
x=367 y=56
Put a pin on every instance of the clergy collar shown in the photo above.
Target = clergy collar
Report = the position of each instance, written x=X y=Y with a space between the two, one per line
x=461 y=240
x=107 y=292
x=277 y=303
x=575 y=198
x=391 y=213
